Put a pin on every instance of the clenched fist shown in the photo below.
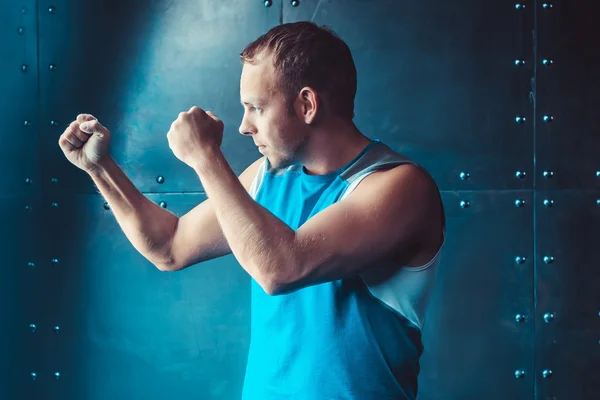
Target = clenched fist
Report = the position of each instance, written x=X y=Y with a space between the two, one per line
x=194 y=134
x=85 y=142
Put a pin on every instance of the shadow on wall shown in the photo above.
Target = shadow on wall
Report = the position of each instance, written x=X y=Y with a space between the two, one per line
x=96 y=45
x=100 y=46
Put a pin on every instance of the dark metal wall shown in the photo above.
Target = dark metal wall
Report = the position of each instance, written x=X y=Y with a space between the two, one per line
x=499 y=100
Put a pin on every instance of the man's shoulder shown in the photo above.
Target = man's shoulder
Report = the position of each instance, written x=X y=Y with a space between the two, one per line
x=409 y=189
x=399 y=174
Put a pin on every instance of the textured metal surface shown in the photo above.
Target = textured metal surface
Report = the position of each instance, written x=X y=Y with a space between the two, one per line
x=473 y=341
x=568 y=95
x=18 y=163
x=136 y=71
x=19 y=259
x=568 y=295
x=29 y=329
x=438 y=81
x=567 y=346
x=18 y=97
x=128 y=330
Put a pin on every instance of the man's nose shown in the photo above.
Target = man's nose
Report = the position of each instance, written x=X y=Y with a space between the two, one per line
x=246 y=128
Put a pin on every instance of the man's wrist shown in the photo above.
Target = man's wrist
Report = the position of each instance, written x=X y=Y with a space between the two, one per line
x=101 y=167
x=206 y=159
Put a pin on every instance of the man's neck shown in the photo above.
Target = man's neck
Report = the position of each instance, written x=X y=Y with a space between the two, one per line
x=333 y=146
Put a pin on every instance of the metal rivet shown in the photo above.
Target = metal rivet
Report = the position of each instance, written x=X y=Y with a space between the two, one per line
x=55 y=261
x=547 y=61
x=519 y=62
x=598 y=202
x=548 y=259
x=548 y=202
x=547 y=5
x=268 y=3
x=597 y=174
x=31 y=264
x=106 y=206
x=52 y=9
x=54 y=204
x=295 y=3
x=32 y=327
x=54 y=180
x=548 y=118
x=28 y=181
x=548 y=317
x=547 y=373
x=33 y=376
x=20 y=30
x=520 y=318
x=548 y=174
x=520 y=259
x=28 y=208
x=53 y=123
x=464 y=176
x=57 y=375
x=519 y=374
x=520 y=174
x=519 y=6
x=519 y=203
x=464 y=204
x=56 y=329
x=163 y=204
x=24 y=67
x=520 y=119
x=51 y=67
x=160 y=179
x=26 y=123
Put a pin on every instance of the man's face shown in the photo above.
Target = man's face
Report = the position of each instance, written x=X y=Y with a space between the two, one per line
x=267 y=118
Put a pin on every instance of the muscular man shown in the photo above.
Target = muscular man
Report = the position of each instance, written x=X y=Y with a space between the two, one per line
x=340 y=234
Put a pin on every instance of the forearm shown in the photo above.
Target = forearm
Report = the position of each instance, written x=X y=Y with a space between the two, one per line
x=261 y=242
x=148 y=226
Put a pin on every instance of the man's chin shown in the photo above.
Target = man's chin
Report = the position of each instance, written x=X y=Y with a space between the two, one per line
x=278 y=163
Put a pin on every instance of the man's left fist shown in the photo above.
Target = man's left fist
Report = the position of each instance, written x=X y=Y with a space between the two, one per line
x=194 y=134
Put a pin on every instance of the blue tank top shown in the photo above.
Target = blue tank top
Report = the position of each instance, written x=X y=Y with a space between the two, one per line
x=356 y=338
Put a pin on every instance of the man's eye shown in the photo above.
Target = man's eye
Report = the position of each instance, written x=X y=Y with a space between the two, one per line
x=255 y=109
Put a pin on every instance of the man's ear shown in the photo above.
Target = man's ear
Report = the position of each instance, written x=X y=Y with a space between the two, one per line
x=307 y=104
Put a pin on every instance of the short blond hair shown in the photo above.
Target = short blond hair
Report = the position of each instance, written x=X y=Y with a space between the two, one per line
x=306 y=54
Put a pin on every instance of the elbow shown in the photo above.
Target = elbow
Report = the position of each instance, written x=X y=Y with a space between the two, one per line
x=277 y=284
x=166 y=264
x=274 y=289
x=268 y=283
x=164 y=261
x=276 y=281
x=163 y=267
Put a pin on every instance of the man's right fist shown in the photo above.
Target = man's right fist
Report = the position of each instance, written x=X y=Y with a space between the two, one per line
x=85 y=142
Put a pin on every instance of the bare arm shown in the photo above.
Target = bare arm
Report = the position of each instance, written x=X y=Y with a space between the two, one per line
x=168 y=242
x=392 y=213
x=147 y=225
x=198 y=236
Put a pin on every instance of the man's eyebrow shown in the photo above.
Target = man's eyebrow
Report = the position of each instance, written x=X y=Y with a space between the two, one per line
x=251 y=102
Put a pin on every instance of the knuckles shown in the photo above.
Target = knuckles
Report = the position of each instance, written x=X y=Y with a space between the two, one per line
x=93 y=124
x=194 y=113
